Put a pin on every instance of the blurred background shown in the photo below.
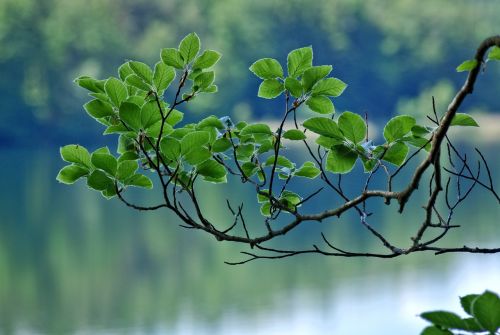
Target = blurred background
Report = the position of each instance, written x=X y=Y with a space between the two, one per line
x=73 y=263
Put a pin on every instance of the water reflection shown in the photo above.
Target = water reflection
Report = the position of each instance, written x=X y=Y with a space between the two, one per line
x=71 y=262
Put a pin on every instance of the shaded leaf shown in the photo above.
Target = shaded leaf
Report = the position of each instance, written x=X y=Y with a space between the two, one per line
x=340 y=159
x=99 y=181
x=486 y=310
x=130 y=114
x=126 y=169
x=396 y=154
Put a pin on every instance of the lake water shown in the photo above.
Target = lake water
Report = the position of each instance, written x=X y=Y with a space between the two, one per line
x=73 y=263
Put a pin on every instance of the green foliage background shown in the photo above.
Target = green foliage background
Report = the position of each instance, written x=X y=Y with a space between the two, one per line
x=402 y=46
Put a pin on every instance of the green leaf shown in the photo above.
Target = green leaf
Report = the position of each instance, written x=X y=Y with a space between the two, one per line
x=90 y=84
x=323 y=126
x=171 y=148
x=281 y=161
x=267 y=68
x=314 y=74
x=398 y=127
x=494 y=53
x=257 y=128
x=98 y=109
x=329 y=86
x=130 y=114
x=433 y=330
x=128 y=156
x=189 y=47
x=293 y=86
x=211 y=121
x=212 y=169
x=290 y=200
x=194 y=140
x=109 y=192
x=197 y=155
x=352 y=126
x=340 y=159
x=486 y=310
x=116 y=91
x=294 y=135
x=261 y=198
x=99 y=181
x=75 y=153
x=210 y=89
x=124 y=71
x=249 y=169
x=270 y=88
x=163 y=76
x=471 y=324
x=105 y=162
x=125 y=144
x=174 y=117
x=150 y=114
x=221 y=145
x=244 y=151
x=265 y=209
x=142 y=70
x=418 y=142
x=461 y=119
x=320 y=104
x=298 y=61
x=137 y=82
x=71 y=173
x=207 y=59
x=329 y=142
x=420 y=131
x=139 y=180
x=467 y=301
x=308 y=170
x=204 y=79
x=172 y=57
x=396 y=154
x=443 y=319
x=126 y=169
x=468 y=65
